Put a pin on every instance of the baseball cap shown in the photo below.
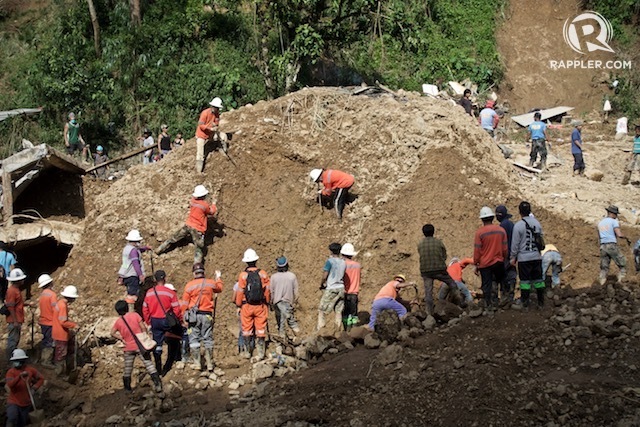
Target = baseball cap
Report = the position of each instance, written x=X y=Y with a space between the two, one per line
x=160 y=275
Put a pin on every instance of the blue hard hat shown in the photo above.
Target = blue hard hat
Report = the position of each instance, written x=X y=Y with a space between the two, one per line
x=282 y=261
x=99 y=148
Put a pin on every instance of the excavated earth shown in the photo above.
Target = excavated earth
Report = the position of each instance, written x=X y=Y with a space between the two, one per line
x=415 y=160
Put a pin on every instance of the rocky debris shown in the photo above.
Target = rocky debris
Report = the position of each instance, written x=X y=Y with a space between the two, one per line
x=371 y=341
x=388 y=325
x=262 y=370
x=390 y=354
x=594 y=174
x=429 y=323
x=358 y=333
x=103 y=329
x=444 y=311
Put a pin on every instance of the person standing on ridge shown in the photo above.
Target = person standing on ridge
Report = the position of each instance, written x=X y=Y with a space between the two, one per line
x=332 y=287
x=62 y=332
x=131 y=273
x=207 y=130
x=284 y=297
x=351 y=286
x=47 y=302
x=72 y=138
x=508 y=285
x=608 y=233
x=538 y=134
x=490 y=251
x=634 y=163
x=577 y=148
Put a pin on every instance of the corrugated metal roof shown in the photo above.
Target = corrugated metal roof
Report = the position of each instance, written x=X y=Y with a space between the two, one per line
x=6 y=114
x=526 y=119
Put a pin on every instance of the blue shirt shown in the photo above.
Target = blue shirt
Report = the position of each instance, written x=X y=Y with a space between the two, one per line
x=486 y=118
x=636 y=145
x=336 y=268
x=576 y=136
x=606 y=229
x=7 y=260
x=537 y=130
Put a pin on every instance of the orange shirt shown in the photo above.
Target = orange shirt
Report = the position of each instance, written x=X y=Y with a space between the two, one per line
x=352 y=277
x=455 y=269
x=192 y=293
x=207 y=120
x=18 y=393
x=15 y=304
x=489 y=245
x=242 y=284
x=198 y=212
x=47 y=302
x=61 y=322
x=388 y=291
x=333 y=179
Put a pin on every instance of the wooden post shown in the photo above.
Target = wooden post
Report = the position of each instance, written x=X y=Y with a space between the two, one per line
x=7 y=198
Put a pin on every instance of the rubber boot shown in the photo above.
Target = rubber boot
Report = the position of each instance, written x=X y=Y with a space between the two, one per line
x=621 y=275
x=46 y=357
x=540 y=294
x=157 y=358
x=260 y=346
x=157 y=383
x=127 y=383
x=524 y=296
x=603 y=277
x=321 y=321
x=60 y=368
x=199 y=166
x=197 y=359
x=208 y=355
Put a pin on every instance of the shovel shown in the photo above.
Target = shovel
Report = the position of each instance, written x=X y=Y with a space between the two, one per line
x=37 y=415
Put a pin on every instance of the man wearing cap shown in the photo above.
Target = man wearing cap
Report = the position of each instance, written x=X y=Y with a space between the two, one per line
x=157 y=302
x=8 y=262
x=147 y=141
x=72 y=138
x=538 y=134
x=577 y=148
x=336 y=183
x=99 y=158
x=200 y=293
x=508 y=285
x=253 y=298
x=634 y=162
x=489 y=253
x=47 y=302
x=526 y=254
x=284 y=296
x=332 y=287
x=165 y=144
x=433 y=266
x=609 y=232
x=20 y=377
x=388 y=299
x=352 y=275
x=488 y=118
x=131 y=273
x=551 y=258
x=63 y=336
x=15 y=304
x=208 y=130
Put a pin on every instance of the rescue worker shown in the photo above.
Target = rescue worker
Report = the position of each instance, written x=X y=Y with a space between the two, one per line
x=20 y=377
x=284 y=296
x=332 y=287
x=157 y=303
x=508 y=285
x=173 y=340
x=131 y=273
x=125 y=329
x=388 y=299
x=634 y=161
x=72 y=138
x=336 y=183
x=455 y=268
x=551 y=258
x=200 y=293
x=489 y=253
x=253 y=298
x=62 y=331
x=207 y=130
x=249 y=343
x=609 y=232
x=195 y=225
x=488 y=118
x=538 y=134
x=15 y=304
x=352 y=275
x=47 y=302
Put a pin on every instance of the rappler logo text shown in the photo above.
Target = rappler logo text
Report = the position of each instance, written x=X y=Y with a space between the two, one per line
x=588 y=32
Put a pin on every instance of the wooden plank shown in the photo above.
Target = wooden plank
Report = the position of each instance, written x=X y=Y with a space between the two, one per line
x=527 y=168
x=7 y=198
x=119 y=158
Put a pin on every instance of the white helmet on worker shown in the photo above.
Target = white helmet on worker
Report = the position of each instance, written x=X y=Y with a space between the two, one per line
x=18 y=354
x=200 y=191
x=315 y=174
x=70 y=292
x=216 y=102
x=44 y=280
x=134 y=236
x=486 y=212
x=348 y=250
x=250 y=256
x=16 y=275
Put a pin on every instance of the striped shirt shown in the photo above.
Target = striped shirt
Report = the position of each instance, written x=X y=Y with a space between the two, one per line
x=489 y=245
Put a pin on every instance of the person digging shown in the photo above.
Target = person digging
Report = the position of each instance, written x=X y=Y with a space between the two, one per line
x=20 y=382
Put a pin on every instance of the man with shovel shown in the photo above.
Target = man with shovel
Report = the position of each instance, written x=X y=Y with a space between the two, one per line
x=21 y=381
x=336 y=184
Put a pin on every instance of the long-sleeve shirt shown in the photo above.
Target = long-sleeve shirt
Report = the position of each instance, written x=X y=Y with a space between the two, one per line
x=433 y=255
x=489 y=245
x=132 y=265
x=151 y=307
x=333 y=179
x=208 y=119
x=523 y=247
x=352 y=277
x=242 y=285
x=455 y=268
x=198 y=212
x=61 y=322
x=284 y=287
x=507 y=225
x=15 y=304
x=18 y=393
x=47 y=303
x=191 y=294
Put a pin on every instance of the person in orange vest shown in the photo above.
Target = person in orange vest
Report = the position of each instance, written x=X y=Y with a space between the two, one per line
x=47 y=302
x=195 y=225
x=253 y=298
x=455 y=268
x=207 y=130
x=15 y=303
x=62 y=333
x=336 y=183
x=18 y=380
x=200 y=293
x=489 y=254
x=351 y=286
x=388 y=299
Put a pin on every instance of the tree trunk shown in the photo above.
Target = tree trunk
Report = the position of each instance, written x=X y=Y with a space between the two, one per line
x=96 y=28
x=136 y=16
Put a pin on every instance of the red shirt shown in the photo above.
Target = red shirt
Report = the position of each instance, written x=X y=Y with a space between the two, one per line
x=61 y=322
x=198 y=212
x=352 y=277
x=133 y=320
x=151 y=307
x=208 y=119
x=489 y=245
x=47 y=302
x=388 y=291
x=15 y=304
x=242 y=284
x=207 y=300
x=333 y=179
x=455 y=269
x=18 y=393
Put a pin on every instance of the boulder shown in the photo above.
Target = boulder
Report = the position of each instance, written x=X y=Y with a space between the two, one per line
x=114 y=419
x=358 y=333
x=371 y=342
x=391 y=354
x=595 y=175
x=412 y=321
x=445 y=311
x=262 y=370
x=388 y=325
x=429 y=323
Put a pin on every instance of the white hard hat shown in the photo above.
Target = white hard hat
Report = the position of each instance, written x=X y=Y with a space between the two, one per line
x=44 y=280
x=18 y=354
x=16 y=275
x=250 y=256
x=315 y=174
x=216 y=102
x=70 y=292
x=170 y=286
x=200 y=191
x=134 y=236
x=486 y=212
x=348 y=249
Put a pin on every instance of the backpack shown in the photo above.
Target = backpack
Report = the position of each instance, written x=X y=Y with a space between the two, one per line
x=538 y=240
x=253 y=292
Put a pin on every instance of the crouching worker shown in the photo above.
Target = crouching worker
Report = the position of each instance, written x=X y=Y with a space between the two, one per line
x=125 y=329
x=20 y=377
x=455 y=268
x=388 y=299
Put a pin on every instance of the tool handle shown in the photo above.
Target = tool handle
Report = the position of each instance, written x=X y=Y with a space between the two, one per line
x=33 y=401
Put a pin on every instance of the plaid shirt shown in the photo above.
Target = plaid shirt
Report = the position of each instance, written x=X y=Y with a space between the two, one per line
x=433 y=255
